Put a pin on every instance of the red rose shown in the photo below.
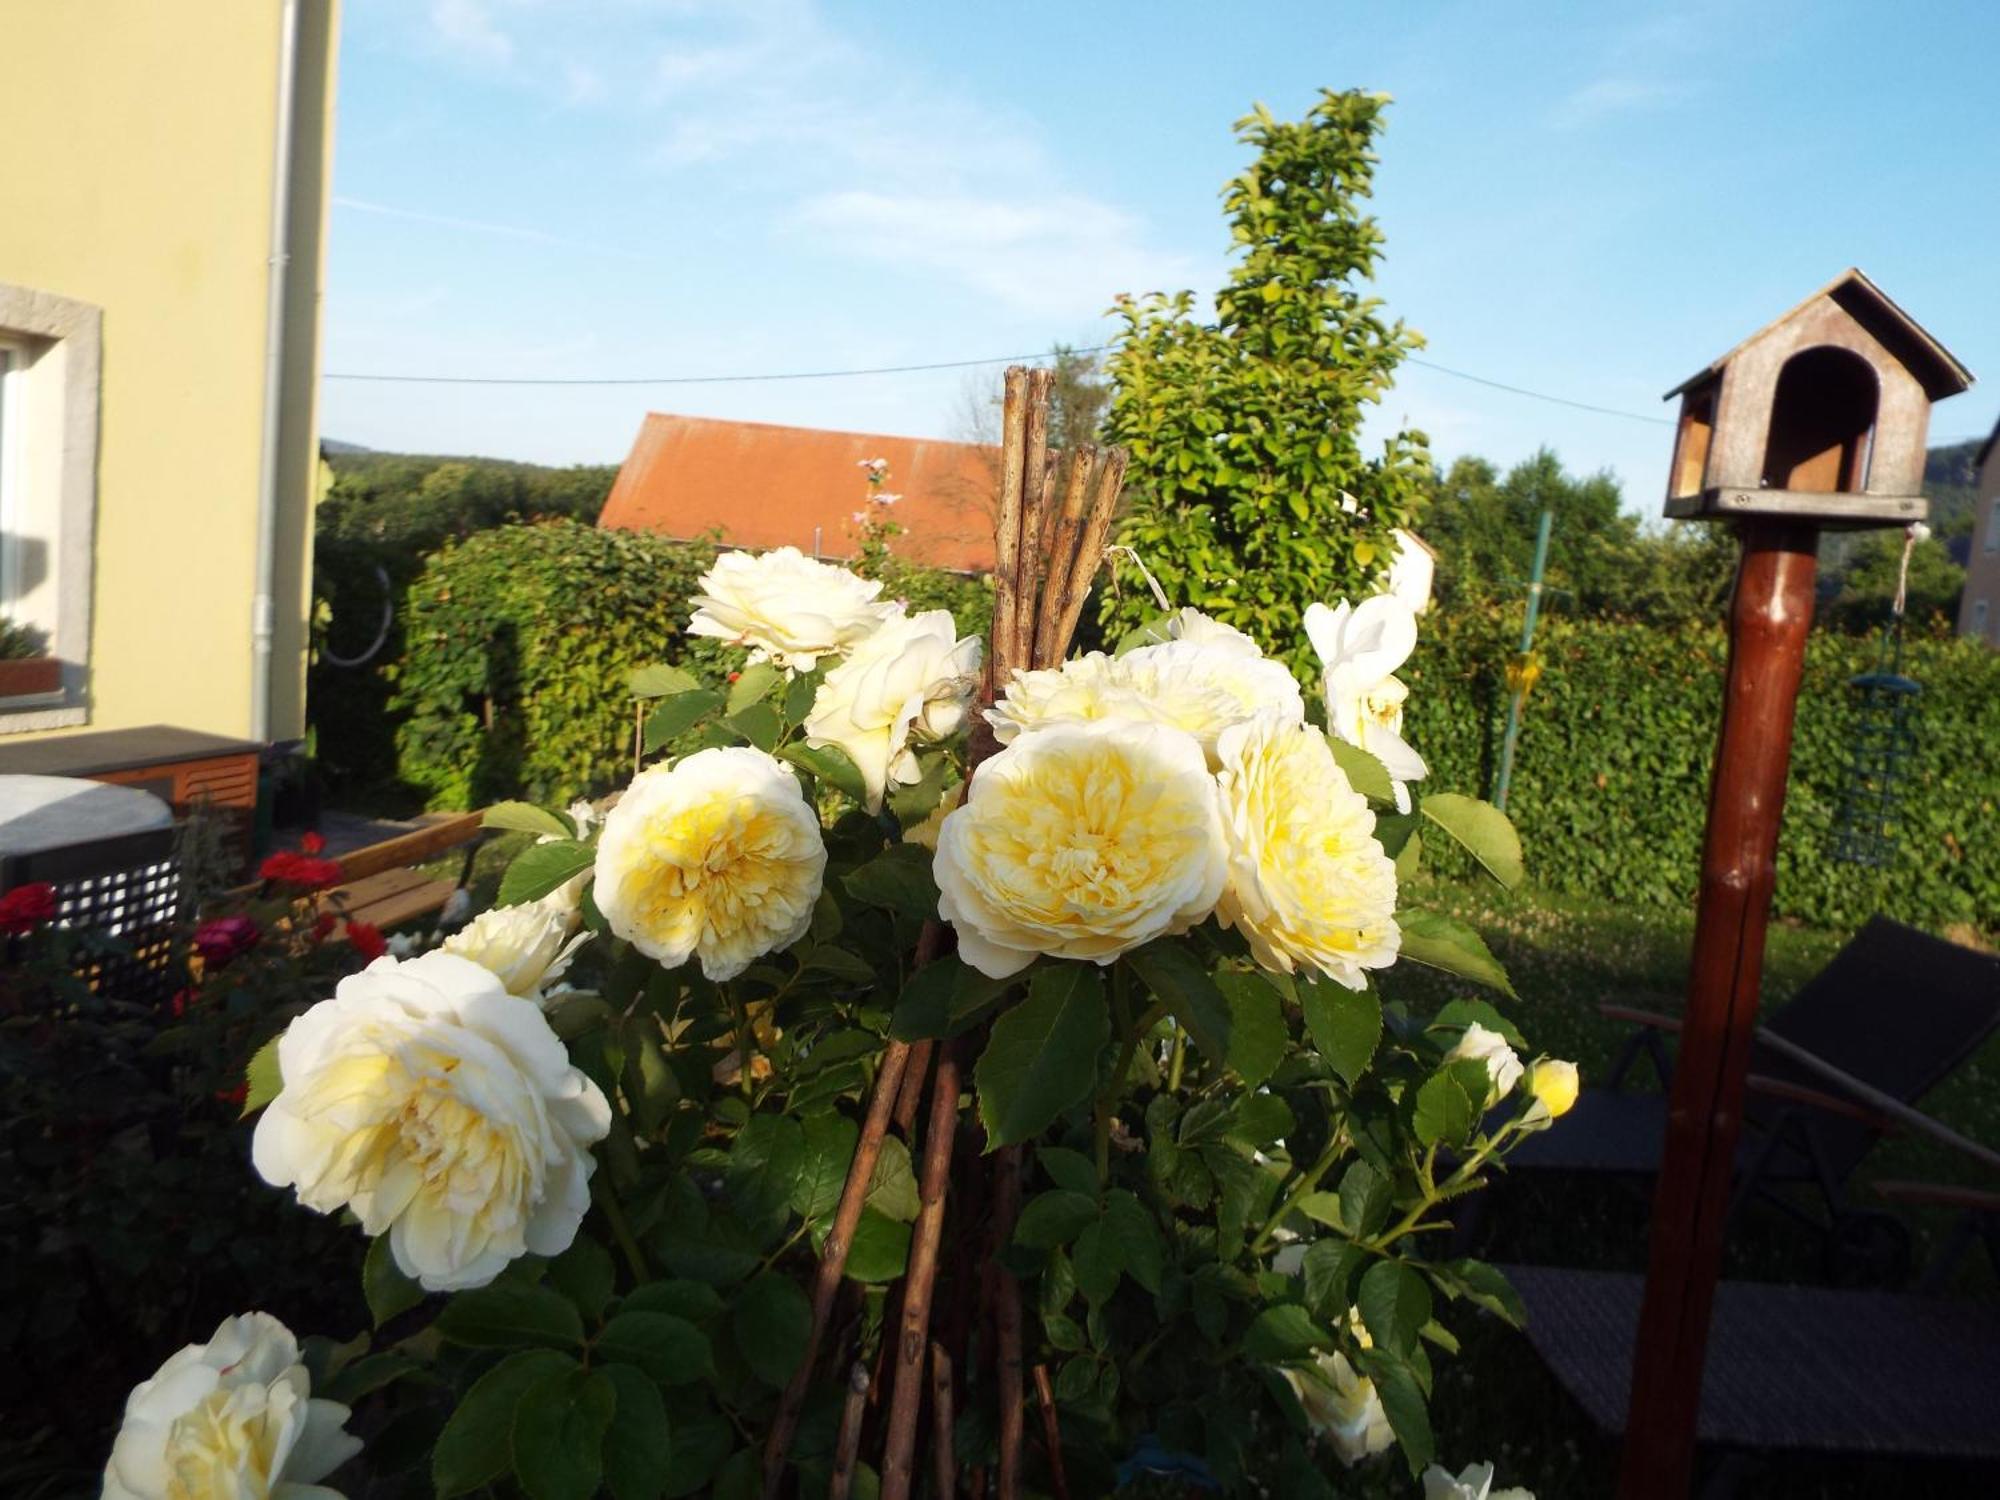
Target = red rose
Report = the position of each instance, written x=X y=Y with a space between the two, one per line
x=367 y=940
x=234 y=1096
x=224 y=938
x=289 y=868
x=181 y=1001
x=312 y=843
x=322 y=927
x=27 y=907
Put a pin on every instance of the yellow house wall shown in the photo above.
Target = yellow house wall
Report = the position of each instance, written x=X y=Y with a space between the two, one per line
x=141 y=183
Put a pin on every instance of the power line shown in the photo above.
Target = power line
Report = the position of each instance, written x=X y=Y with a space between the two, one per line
x=950 y=364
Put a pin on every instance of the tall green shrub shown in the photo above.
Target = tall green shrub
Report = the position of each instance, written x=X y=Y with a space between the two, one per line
x=1618 y=738
x=517 y=645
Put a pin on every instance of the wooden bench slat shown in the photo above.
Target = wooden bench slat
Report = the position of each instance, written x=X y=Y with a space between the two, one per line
x=414 y=848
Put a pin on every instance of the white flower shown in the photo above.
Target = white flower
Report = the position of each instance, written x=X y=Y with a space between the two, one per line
x=1080 y=841
x=1200 y=686
x=1360 y=647
x=912 y=680
x=785 y=606
x=527 y=948
x=232 y=1417
x=716 y=856
x=1190 y=624
x=1475 y=1483
x=1342 y=1406
x=1308 y=882
x=1555 y=1085
x=1503 y=1066
x=883 y=497
x=442 y=1111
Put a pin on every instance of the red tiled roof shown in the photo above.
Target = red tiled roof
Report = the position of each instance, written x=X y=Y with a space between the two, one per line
x=767 y=486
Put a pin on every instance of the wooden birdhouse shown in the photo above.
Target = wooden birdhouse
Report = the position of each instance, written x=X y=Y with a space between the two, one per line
x=1821 y=415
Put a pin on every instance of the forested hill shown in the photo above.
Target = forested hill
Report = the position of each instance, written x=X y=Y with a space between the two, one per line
x=1951 y=479
x=417 y=500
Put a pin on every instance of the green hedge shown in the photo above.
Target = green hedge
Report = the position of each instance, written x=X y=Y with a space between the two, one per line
x=517 y=642
x=1610 y=784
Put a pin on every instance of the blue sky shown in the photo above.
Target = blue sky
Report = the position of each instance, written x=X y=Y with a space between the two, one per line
x=1584 y=199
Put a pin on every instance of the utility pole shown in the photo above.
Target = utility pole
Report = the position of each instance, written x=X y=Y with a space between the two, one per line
x=1523 y=677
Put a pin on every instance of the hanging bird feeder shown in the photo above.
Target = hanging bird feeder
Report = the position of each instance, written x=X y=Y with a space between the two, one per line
x=1886 y=707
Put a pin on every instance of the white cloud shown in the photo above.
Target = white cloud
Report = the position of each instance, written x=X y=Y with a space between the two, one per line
x=485 y=226
x=467 y=27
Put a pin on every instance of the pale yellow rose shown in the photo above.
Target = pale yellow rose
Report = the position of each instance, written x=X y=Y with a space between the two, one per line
x=528 y=948
x=786 y=607
x=1342 y=1407
x=232 y=1417
x=442 y=1111
x=715 y=857
x=1309 y=886
x=1360 y=647
x=1080 y=841
x=1475 y=1482
x=1555 y=1085
x=1503 y=1065
x=909 y=682
x=1200 y=686
x=925 y=833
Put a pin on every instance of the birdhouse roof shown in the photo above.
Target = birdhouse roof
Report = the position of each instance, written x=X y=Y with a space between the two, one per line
x=1936 y=369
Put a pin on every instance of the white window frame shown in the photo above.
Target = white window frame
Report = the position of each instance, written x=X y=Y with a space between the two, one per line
x=1979 y=618
x=1993 y=524
x=48 y=488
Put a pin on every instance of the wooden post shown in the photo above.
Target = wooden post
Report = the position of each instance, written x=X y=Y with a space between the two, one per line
x=1769 y=618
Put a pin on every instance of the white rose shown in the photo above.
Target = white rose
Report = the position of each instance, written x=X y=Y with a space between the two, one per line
x=232 y=1417
x=1342 y=1407
x=1474 y=1483
x=1190 y=624
x=787 y=607
x=716 y=856
x=1080 y=841
x=1309 y=884
x=911 y=680
x=1360 y=647
x=527 y=948
x=1503 y=1066
x=440 y=1109
x=1202 y=687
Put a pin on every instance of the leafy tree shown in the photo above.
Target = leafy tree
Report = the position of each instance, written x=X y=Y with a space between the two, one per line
x=1857 y=594
x=1245 y=433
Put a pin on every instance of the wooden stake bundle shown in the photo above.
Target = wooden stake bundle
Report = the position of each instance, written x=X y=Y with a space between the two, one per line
x=1045 y=559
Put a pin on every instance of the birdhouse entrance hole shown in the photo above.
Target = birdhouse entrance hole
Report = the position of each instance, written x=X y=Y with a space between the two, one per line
x=1822 y=423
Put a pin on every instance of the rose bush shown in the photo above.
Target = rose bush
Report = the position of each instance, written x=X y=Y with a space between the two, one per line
x=1148 y=929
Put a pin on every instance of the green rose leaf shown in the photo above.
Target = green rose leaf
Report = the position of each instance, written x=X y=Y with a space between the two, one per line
x=1365 y=773
x=387 y=1290
x=637 y=1445
x=1483 y=1286
x=1345 y=1025
x=1403 y=1403
x=1068 y=1169
x=880 y=1248
x=1456 y=1015
x=1395 y=1304
x=559 y=1427
x=474 y=1447
x=1054 y=1218
x=525 y=817
x=829 y=1147
x=1482 y=829
x=671 y=1350
x=943 y=998
x=765 y=1162
x=583 y=1274
x=1097 y=1262
x=676 y=716
x=759 y=724
x=660 y=681
x=1042 y=1055
x=830 y=764
x=899 y=878
x=1283 y=1334
x=511 y=1316
x=752 y=685
x=1257 y=1030
x=1444 y=1114
x=1446 y=943
x=771 y=1322
x=694 y=1301
x=1129 y=1225
x=1328 y=1271
x=1365 y=1199
x=892 y=1191
x=262 y=1080
x=542 y=868
x=1179 y=980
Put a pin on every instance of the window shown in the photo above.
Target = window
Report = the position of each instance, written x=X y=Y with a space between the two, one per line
x=1979 y=618
x=1993 y=527
x=50 y=352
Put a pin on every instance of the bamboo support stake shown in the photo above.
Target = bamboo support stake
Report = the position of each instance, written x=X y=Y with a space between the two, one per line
x=920 y=1280
x=1007 y=527
x=1096 y=532
x=916 y=1074
x=847 y=1447
x=1007 y=1321
x=944 y=1411
x=1034 y=479
x=1051 y=1433
x=1066 y=527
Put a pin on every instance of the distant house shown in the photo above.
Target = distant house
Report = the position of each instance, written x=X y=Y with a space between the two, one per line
x=760 y=485
x=1979 y=606
x=160 y=268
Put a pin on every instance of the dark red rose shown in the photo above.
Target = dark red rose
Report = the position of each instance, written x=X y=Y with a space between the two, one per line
x=290 y=868
x=367 y=940
x=312 y=843
x=27 y=907
x=224 y=938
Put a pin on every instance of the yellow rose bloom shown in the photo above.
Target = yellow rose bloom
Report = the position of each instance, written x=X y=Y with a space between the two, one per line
x=716 y=856
x=1080 y=841
x=1555 y=1085
x=1309 y=886
x=1342 y=1407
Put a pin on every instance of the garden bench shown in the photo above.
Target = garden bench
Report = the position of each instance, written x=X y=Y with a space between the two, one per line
x=386 y=885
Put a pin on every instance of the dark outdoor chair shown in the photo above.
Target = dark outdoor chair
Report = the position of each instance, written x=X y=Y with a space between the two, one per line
x=1896 y=1010
x=1797 y=1369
